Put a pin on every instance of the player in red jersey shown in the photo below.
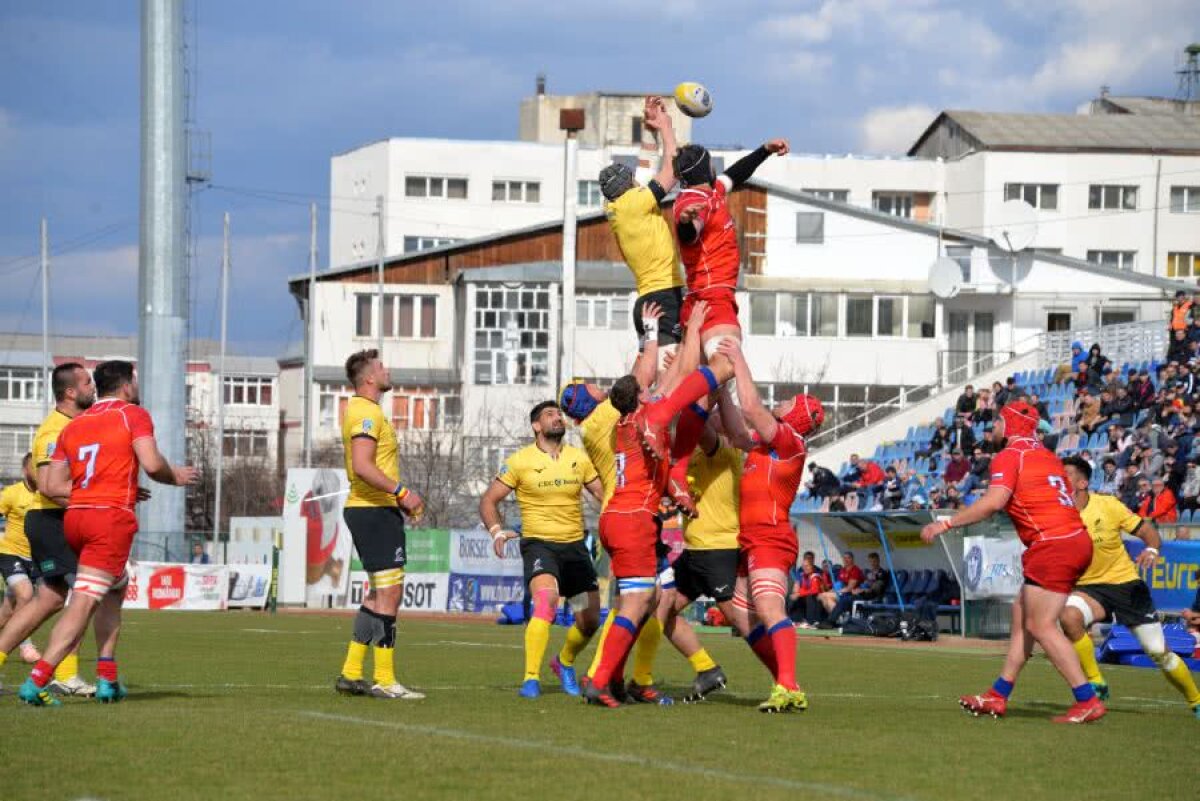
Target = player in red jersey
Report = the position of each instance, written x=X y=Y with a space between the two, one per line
x=1029 y=482
x=771 y=476
x=709 y=250
x=629 y=529
x=94 y=473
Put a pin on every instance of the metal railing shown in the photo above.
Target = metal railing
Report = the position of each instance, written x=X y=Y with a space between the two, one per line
x=1122 y=343
x=960 y=366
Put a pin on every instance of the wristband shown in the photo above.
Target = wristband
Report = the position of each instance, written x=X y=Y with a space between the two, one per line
x=946 y=525
x=1152 y=550
x=497 y=532
x=401 y=492
x=650 y=325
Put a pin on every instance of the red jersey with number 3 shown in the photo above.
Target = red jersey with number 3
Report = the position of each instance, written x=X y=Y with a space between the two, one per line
x=770 y=479
x=640 y=478
x=98 y=447
x=712 y=261
x=1042 y=505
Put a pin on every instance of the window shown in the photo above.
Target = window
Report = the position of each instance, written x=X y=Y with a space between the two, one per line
x=424 y=410
x=858 y=316
x=896 y=203
x=824 y=315
x=840 y=195
x=1120 y=259
x=1183 y=265
x=245 y=443
x=1185 y=199
x=602 y=311
x=1058 y=321
x=516 y=191
x=363 y=305
x=435 y=186
x=512 y=334
x=21 y=384
x=889 y=317
x=810 y=227
x=1040 y=196
x=331 y=402
x=589 y=194
x=1123 y=198
x=409 y=316
x=412 y=244
x=922 y=316
x=1116 y=316
x=762 y=314
x=248 y=391
x=786 y=314
x=635 y=131
x=962 y=255
x=16 y=440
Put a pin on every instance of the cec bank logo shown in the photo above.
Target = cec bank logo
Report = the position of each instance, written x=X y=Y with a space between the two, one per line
x=974 y=567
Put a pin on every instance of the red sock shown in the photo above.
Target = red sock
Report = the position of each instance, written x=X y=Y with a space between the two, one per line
x=620 y=639
x=42 y=672
x=783 y=637
x=698 y=384
x=106 y=668
x=764 y=649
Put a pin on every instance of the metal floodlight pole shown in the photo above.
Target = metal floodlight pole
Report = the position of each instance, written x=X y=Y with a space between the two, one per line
x=571 y=121
x=381 y=255
x=310 y=333
x=47 y=368
x=219 y=392
x=162 y=277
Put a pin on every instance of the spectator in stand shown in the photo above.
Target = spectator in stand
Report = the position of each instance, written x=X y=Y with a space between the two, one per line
x=1046 y=435
x=803 y=608
x=914 y=491
x=1119 y=443
x=1188 y=425
x=1087 y=456
x=873 y=587
x=1107 y=412
x=1123 y=409
x=852 y=475
x=199 y=557
x=977 y=477
x=966 y=401
x=893 y=489
x=831 y=575
x=1087 y=415
x=957 y=469
x=1178 y=350
x=1187 y=377
x=1110 y=479
x=1151 y=462
x=851 y=579
x=1189 y=493
x=1000 y=394
x=1011 y=390
x=1141 y=390
x=952 y=498
x=1181 y=312
x=961 y=436
x=822 y=483
x=1112 y=380
x=1160 y=505
x=1132 y=486
x=871 y=484
x=1042 y=409
x=1097 y=362
x=937 y=442
x=985 y=407
x=1173 y=474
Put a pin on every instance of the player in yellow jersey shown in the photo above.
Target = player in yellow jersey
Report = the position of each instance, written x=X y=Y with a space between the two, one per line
x=16 y=564
x=549 y=478
x=52 y=558
x=1112 y=589
x=374 y=514
x=645 y=239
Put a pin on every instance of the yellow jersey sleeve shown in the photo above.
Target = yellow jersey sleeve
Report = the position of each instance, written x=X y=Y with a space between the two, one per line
x=597 y=434
x=44 y=442
x=7 y=497
x=510 y=471
x=1122 y=518
x=1106 y=518
x=587 y=470
x=364 y=420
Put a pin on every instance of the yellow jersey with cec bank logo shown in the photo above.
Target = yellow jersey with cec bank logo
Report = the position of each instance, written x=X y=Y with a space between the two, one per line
x=548 y=491
x=364 y=418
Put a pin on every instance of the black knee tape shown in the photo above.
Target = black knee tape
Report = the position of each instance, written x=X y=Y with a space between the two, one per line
x=364 y=626
x=387 y=639
x=379 y=629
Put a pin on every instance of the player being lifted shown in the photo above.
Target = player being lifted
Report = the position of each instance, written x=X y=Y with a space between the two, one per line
x=642 y=233
x=774 y=443
x=1028 y=481
x=95 y=473
x=1112 y=589
x=709 y=250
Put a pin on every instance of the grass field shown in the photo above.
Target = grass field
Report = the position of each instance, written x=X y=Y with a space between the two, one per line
x=239 y=705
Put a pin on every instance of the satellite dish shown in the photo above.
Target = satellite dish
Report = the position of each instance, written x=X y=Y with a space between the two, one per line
x=1015 y=226
x=945 y=278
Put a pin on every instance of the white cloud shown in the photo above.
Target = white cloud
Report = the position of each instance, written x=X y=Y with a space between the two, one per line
x=893 y=129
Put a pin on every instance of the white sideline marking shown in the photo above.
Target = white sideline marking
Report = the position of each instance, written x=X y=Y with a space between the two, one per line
x=280 y=631
x=473 y=644
x=604 y=756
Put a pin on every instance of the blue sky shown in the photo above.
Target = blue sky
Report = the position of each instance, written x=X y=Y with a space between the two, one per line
x=282 y=87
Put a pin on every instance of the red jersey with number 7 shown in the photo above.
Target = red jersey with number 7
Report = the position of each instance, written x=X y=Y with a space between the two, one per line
x=98 y=447
x=1042 y=505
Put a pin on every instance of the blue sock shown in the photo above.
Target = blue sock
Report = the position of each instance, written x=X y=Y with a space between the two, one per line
x=1003 y=687
x=756 y=634
x=1084 y=692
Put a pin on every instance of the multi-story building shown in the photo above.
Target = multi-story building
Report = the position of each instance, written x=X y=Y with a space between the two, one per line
x=250 y=397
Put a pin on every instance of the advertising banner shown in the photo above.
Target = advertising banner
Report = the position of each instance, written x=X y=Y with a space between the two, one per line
x=159 y=585
x=991 y=568
x=1173 y=580
x=423 y=592
x=312 y=523
x=249 y=586
x=479 y=581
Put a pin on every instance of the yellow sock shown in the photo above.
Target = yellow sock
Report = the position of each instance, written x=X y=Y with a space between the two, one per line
x=644 y=651
x=3 y=658
x=537 y=637
x=1176 y=671
x=612 y=614
x=576 y=642
x=701 y=661
x=1087 y=659
x=356 y=654
x=68 y=668
x=385 y=668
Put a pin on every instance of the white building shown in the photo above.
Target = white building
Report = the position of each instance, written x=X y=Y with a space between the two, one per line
x=251 y=396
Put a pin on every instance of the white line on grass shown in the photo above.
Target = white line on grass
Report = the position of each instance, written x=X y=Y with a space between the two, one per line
x=605 y=756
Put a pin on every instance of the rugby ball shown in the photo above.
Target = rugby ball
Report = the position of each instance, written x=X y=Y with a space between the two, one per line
x=693 y=99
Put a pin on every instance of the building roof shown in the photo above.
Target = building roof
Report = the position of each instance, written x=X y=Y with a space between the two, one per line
x=1073 y=133
x=399 y=376
x=18 y=350
x=1134 y=104
x=588 y=274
